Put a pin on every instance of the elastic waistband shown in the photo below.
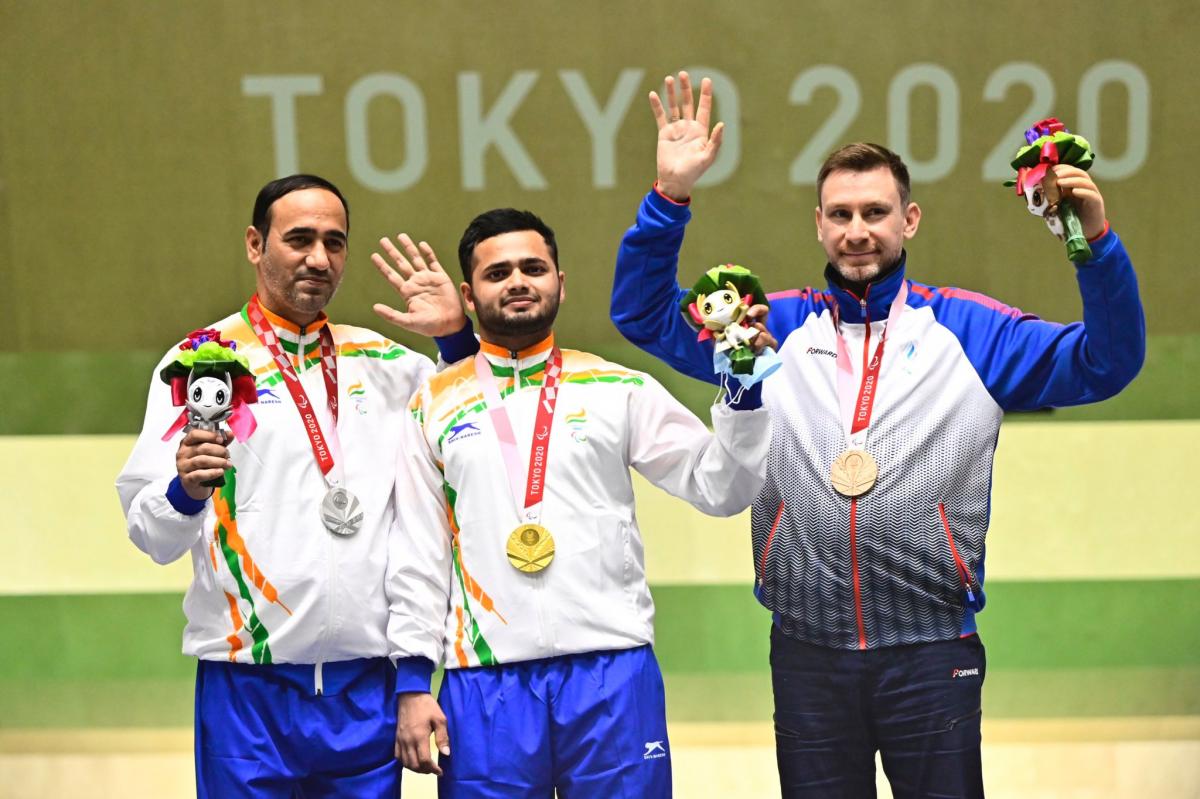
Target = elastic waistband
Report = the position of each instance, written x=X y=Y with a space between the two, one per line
x=557 y=661
x=781 y=638
x=311 y=678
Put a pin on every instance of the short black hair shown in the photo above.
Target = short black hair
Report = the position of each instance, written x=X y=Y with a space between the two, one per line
x=277 y=188
x=496 y=222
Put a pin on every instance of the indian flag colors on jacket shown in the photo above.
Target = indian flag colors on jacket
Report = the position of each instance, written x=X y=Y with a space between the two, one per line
x=270 y=583
x=460 y=599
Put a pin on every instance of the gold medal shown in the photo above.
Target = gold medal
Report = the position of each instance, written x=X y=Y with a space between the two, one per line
x=530 y=548
x=854 y=473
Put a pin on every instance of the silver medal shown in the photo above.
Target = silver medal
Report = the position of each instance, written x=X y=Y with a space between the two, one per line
x=341 y=512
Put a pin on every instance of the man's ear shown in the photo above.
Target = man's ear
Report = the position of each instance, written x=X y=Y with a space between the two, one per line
x=912 y=219
x=562 y=285
x=468 y=296
x=817 y=221
x=254 y=245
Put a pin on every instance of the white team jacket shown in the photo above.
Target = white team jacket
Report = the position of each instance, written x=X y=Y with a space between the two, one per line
x=457 y=599
x=270 y=584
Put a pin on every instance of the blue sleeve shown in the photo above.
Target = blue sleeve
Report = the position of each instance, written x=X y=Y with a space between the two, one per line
x=413 y=675
x=646 y=293
x=180 y=500
x=456 y=346
x=1027 y=363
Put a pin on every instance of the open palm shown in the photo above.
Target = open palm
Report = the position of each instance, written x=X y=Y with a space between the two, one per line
x=430 y=297
x=686 y=148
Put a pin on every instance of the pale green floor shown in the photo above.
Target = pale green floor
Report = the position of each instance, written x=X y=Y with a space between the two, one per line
x=1046 y=759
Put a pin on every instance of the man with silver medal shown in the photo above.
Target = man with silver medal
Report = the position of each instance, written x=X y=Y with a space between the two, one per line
x=868 y=537
x=519 y=560
x=287 y=610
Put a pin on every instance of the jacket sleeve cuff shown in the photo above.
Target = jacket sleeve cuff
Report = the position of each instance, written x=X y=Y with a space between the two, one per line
x=413 y=675
x=668 y=207
x=1101 y=246
x=673 y=202
x=456 y=346
x=1102 y=233
x=180 y=500
x=740 y=399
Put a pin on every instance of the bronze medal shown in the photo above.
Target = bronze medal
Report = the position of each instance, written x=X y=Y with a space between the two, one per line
x=854 y=473
x=530 y=548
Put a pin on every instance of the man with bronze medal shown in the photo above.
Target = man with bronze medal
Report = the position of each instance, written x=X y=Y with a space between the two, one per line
x=868 y=536
x=287 y=613
x=518 y=563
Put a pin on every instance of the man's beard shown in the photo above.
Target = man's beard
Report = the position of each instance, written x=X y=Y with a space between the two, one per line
x=494 y=320
x=859 y=284
x=313 y=302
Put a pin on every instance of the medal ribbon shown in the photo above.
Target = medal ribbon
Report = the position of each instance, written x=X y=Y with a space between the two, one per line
x=320 y=444
x=857 y=406
x=539 y=448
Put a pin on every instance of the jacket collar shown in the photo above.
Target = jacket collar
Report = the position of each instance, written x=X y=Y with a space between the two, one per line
x=878 y=296
x=289 y=331
x=527 y=357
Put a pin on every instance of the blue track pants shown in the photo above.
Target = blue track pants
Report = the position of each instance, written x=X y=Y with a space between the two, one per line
x=264 y=731
x=591 y=726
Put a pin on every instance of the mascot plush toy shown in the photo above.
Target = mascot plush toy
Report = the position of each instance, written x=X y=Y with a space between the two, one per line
x=209 y=401
x=1049 y=143
x=214 y=384
x=717 y=306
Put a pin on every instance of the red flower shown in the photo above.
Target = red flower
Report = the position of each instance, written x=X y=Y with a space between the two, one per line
x=198 y=337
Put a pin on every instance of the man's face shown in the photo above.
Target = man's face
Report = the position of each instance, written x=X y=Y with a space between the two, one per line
x=515 y=288
x=862 y=224
x=300 y=264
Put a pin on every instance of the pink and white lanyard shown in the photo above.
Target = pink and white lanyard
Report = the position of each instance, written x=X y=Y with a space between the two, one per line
x=857 y=406
x=529 y=511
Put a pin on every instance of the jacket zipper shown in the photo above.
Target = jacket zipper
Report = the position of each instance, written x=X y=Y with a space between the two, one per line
x=762 y=563
x=858 y=609
x=964 y=574
x=539 y=580
x=318 y=677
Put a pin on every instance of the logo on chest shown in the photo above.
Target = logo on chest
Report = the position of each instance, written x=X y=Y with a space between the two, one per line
x=357 y=393
x=907 y=361
x=577 y=425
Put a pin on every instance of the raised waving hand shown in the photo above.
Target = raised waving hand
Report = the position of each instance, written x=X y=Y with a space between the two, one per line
x=430 y=297
x=686 y=147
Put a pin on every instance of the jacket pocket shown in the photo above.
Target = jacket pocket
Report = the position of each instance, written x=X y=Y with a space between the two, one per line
x=762 y=558
x=966 y=577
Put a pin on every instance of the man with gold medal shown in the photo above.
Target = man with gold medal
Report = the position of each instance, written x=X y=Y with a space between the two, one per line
x=868 y=537
x=517 y=562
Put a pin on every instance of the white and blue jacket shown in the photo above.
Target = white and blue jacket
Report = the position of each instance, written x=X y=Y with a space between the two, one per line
x=902 y=564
